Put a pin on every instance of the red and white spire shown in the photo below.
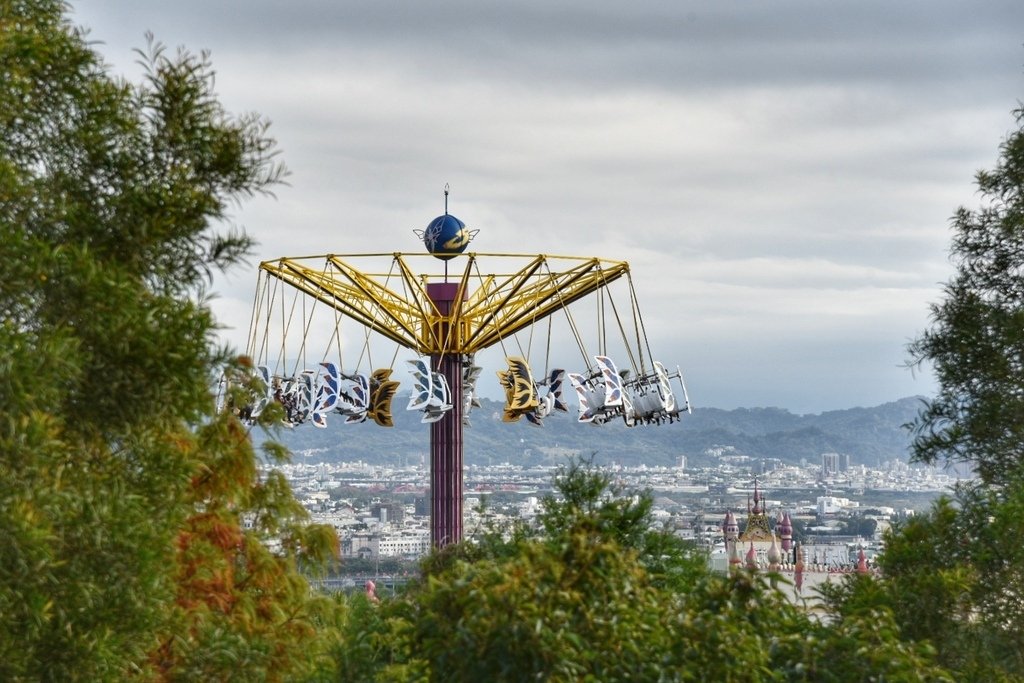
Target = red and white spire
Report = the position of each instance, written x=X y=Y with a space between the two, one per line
x=730 y=528
x=774 y=556
x=752 y=558
x=786 y=532
x=862 y=562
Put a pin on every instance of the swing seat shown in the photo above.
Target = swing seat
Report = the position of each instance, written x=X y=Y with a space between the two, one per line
x=382 y=391
x=653 y=398
x=258 y=396
x=353 y=398
x=520 y=390
x=556 y=382
x=297 y=398
x=599 y=393
x=430 y=392
x=470 y=375
x=421 y=385
x=328 y=390
x=551 y=401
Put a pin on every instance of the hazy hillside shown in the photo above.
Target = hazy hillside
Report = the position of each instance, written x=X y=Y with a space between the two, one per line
x=868 y=435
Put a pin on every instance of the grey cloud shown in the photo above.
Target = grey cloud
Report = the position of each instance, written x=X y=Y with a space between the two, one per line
x=707 y=45
x=780 y=174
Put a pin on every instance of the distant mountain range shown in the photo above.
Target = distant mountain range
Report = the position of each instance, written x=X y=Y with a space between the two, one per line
x=868 y=435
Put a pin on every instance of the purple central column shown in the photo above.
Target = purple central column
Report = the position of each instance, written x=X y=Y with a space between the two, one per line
x=446 y=433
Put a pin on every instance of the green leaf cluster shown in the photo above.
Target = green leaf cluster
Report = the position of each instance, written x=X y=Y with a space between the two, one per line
x=975 y=343
x=954 y=578
x=596 y=594
x=122 y=492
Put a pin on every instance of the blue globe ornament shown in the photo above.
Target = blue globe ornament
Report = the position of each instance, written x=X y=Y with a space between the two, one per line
x=446 y=236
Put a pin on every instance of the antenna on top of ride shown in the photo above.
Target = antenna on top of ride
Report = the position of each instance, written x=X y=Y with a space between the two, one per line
x=446 y=213
x=446 y=236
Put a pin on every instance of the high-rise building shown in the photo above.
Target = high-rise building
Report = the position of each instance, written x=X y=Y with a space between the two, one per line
x=388 y=512
x=422 y=507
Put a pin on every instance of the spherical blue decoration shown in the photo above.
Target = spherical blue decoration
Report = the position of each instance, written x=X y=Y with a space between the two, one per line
x=446 y=236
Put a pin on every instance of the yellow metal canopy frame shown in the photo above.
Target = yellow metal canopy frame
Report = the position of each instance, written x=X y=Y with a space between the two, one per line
x=496 y=295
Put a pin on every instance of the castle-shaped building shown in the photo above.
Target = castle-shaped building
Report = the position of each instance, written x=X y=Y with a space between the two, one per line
x=762 y=546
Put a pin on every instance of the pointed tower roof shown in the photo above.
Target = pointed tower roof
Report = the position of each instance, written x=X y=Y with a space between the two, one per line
x=757 y=528
x=734 y=556
x=752 y=557
x=786 y=532
x=774 y=555
x=798 y=570
x=729 y=526
x=862 y=562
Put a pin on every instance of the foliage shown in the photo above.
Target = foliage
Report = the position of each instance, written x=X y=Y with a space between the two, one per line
x=955 y=577
x=588 y=501
x=121 y=491
x=950 y=578
x=595 y=598
x=355 y=566
x=742 y=629
x=860 y=526
x=242 y=610
x=975 y=343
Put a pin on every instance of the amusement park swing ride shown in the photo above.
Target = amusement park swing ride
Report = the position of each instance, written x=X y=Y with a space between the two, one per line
x=446 y=319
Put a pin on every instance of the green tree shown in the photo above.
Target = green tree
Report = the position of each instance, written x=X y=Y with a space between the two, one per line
x=955 y=576
x=596 y=597
x=975 y=343
x=976 y=346
x=121 y=489
x=860 y=526
x=951 y=578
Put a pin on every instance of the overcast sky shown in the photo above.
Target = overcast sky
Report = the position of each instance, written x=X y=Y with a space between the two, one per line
x=780 y=175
